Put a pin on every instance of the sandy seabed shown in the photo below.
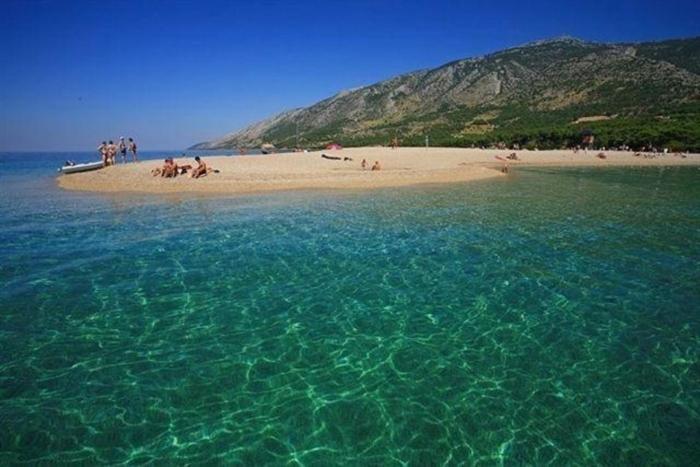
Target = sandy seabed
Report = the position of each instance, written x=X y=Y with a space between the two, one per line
x=294 y=171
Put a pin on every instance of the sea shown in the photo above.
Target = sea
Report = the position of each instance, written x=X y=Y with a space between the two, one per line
x=548 y=318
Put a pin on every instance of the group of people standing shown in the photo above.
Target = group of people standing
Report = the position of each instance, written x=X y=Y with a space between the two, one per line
x=109 y=151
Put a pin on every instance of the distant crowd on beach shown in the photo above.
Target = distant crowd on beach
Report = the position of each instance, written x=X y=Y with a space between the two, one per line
x=108 y=151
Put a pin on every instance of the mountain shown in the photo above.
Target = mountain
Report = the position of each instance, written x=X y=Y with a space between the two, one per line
x=539 y=94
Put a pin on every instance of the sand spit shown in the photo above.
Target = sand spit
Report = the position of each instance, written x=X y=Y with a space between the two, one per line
x=400 y=167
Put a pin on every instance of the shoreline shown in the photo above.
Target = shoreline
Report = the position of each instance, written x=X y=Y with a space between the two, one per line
x=309 y=171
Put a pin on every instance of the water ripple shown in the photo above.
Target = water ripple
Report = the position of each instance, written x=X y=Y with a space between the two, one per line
x=548 y=320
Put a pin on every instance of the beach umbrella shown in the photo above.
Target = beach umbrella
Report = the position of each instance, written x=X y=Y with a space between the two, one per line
x=334 y=146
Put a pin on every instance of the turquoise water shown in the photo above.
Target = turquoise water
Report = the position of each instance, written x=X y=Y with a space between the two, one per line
x=552 y=318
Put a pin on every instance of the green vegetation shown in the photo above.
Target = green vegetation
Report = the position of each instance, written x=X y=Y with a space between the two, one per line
x=677 y=135
x=684 y=53
x=678 y=130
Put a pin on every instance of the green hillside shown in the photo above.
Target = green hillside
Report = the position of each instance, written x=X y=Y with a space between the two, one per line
x=539 y=95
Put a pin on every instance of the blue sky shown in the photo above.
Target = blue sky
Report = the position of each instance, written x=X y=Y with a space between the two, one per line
x=173 y=73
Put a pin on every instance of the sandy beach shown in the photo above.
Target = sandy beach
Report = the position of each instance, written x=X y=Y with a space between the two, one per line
x=294 y=171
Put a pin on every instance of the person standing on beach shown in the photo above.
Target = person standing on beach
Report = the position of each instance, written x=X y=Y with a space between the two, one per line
x=132 y=150
x=102 y=149
x=122 y=149
x=111 y=152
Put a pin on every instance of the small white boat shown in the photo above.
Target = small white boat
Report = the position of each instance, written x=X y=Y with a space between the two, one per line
x=69 y=169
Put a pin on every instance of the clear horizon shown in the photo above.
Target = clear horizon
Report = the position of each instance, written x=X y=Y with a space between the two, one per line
x=177 y=74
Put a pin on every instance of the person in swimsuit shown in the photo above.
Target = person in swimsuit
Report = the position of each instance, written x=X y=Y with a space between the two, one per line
x=122 y=149
x=111 y=153
x=132 y=150
x=102 y=149
x=200 y=170
x=376 y=166
x=169 y=169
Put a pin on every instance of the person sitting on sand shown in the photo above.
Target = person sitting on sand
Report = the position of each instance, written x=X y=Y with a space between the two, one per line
x=169 y=169
x=172 y=169
x=364 y=164
x=200 y=170
x=376 y=166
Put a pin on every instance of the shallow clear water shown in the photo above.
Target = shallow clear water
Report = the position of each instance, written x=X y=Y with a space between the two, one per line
x=553 y=318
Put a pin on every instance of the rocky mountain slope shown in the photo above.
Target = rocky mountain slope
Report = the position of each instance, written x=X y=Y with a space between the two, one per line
x=550 y=87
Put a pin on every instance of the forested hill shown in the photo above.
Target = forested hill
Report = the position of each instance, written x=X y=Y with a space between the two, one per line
x=541 y=94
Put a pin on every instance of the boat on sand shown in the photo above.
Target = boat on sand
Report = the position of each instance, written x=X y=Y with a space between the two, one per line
x=74 y=168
